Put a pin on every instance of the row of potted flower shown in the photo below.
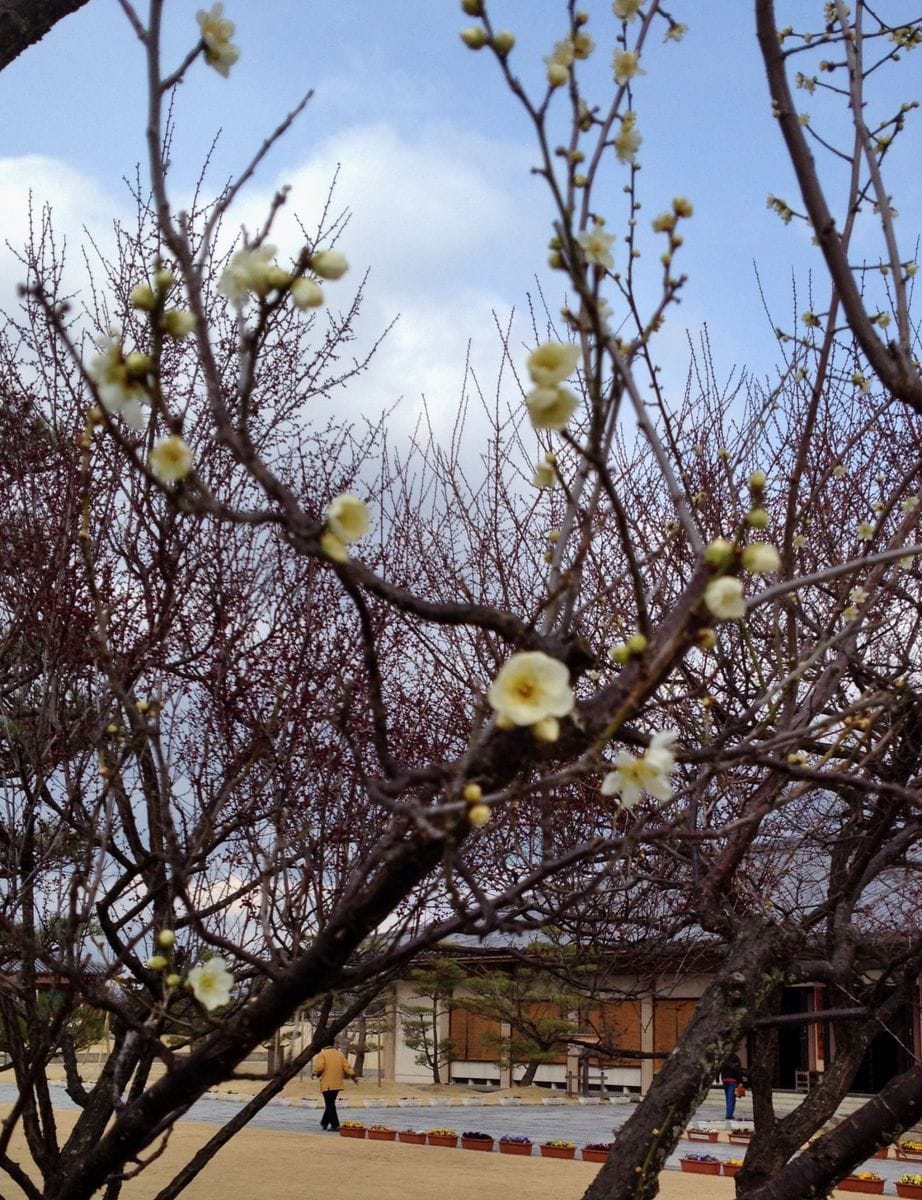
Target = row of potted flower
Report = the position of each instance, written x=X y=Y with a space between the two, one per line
x=907 y=1150
x=907 y=1186
x=473 y=1139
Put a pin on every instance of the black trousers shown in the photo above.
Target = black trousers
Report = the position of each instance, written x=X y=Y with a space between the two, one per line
x=330 y=1116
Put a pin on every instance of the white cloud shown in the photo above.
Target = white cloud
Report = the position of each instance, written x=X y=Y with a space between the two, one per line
x=437 y=218
x=79 y=207
x=439 y=223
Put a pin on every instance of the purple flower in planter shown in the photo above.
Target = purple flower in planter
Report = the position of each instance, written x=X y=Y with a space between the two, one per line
x=515 y=1139
x=700 y=1158
x=475 y=1136
x=603 y=1146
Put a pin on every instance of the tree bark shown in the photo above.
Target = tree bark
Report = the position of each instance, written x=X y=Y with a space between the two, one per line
x=753 y=969
x=25 y=22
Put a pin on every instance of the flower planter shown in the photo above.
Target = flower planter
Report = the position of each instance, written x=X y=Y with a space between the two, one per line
x=730 y=1170
x=472 y=1102
x=382 y=1135
x=510 y=1101
x=908 y=1155
x=694 y=1167
x=701 y=1135
x=596 y=1156
x=411 y=1102
x=589 y=1099
x=912 y=1191
x=477 y=1144
x=739 y=1139
x=411 y=1137
x=523 y=1149
x=875 y=1186
x=440 y=1139
x=558 y=1151
x=345 y=1131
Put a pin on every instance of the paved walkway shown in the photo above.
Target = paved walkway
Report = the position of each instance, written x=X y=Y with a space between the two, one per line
x=556 y=1119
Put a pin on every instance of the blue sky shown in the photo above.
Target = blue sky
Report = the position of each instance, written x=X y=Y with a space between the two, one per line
x=435 y=158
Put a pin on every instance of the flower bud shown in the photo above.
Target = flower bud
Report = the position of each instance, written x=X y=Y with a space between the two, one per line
x=474 y=37
x=143 y=297
x=157 y=962
x=329 y=264
x=178 y=322
x=473 y=793
x=478 y=815
x=546 y=730
x=166 y=938
x=719 y=553
x=757 y=518
x=503 y=41
x=137 y=365
x=707 y=638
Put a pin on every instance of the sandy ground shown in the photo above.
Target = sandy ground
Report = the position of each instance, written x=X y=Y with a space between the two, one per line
x=271 y=1165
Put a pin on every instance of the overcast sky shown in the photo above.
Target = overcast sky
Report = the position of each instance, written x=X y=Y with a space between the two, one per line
x=434 y=158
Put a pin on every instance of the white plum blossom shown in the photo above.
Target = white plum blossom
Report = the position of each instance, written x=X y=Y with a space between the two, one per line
x=217 y=32
x=118 y=380
x=596 y=245
x=761 y=558
x=178 y=323
x=211 y=983
x=724 y=599
x=551 y=407
x=864 y=531
x=858 y=594
x=530 y=687
x=552 y=362
x=348 y=517
x=329 y=264
x=626 y=10
x=171 y=459
x=628 y=139
x=649 y=773
x=252 y=269
x=306 y=293
x=625 y=66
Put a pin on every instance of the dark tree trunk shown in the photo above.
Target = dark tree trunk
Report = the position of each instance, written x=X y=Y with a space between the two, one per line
x=25 y=22
x=361 y=1045
x=885 y=1116
x=752 y=971
x=529 y=1076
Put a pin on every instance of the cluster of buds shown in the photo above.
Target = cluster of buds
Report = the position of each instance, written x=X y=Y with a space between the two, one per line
x=667 y=223
x=151 y=297
x=478 y=813
x=723 y=596
x=162 y=959
x=476 y=37
x=622 y=654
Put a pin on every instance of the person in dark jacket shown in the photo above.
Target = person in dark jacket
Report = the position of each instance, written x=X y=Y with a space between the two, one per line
x=732 y=1074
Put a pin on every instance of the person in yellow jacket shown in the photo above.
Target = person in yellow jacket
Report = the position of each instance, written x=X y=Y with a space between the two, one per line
x=332 y=1067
